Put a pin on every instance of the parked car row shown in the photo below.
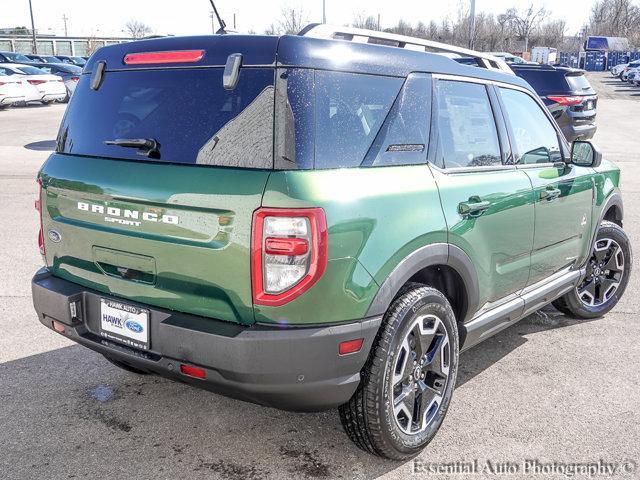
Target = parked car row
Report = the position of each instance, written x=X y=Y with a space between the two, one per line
x=38 y=78
x=628 y=72
x=44 y=83
x=14 y=57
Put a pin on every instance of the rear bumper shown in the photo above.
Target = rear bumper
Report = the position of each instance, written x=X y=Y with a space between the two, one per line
x=52 y=97
x=289 y=368
x=575 y=132
x=11 y=100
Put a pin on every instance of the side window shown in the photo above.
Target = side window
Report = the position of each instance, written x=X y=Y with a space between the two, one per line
x=404 y=136
x=466 y=125
x=5 y=71
x=47 y=69
x=536 y=140
x=350 y=109
x=328 y=119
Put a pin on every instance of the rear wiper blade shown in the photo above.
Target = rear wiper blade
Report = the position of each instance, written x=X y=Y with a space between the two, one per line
x=146 y=146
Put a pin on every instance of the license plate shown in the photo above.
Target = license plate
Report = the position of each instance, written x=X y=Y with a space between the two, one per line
x=124 y=323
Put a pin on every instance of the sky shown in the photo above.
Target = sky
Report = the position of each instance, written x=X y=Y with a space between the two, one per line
x=192 y=17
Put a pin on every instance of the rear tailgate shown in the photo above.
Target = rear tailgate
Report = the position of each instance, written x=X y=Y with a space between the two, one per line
x=169 y=228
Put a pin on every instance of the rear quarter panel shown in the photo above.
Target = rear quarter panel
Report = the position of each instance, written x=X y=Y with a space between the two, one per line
x=375 y=218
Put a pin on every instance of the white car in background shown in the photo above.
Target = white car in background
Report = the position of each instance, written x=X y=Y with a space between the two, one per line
x=41 y=86
x=632 y=74
x=627 y=69
x=12 y=90
x=617 y=70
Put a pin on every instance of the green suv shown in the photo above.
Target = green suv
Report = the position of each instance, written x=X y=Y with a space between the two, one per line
x=311 y=223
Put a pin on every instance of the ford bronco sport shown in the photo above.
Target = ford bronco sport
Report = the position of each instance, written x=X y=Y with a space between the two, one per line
x=309 y=223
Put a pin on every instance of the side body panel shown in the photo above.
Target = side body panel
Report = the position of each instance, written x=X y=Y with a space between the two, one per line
x=563 y=224
x=375 y=216
x=498 y=241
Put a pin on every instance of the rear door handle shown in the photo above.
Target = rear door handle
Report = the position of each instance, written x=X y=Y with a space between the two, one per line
x=550 y=193
x=474 y=207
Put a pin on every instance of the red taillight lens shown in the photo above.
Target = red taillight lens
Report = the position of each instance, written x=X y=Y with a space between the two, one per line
x=286 y=246
x=192 y=371
x=75 y=79
x=288 y=253
x=350 y=346
x=180 y=56
x=38 y=205
x=36 y=82
x=564 y=100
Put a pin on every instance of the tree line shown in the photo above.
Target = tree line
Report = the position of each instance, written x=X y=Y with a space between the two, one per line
x=514 y=30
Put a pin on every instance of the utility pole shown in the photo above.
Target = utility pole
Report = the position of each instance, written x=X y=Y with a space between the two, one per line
x=379 y=29
x=213 y=25
x=234 y=20
x=64 y=19
x=33 y=30
x=324 y=11
x=472 y=23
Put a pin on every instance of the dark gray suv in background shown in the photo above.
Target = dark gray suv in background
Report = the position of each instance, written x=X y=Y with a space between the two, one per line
x=567 y=94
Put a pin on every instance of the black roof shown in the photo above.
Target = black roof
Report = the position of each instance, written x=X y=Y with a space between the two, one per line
x=300 y=51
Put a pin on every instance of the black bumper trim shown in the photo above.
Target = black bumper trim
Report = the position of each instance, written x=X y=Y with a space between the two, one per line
x=291 y=368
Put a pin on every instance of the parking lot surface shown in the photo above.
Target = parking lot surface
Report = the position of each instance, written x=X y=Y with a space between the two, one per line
x=551 y=388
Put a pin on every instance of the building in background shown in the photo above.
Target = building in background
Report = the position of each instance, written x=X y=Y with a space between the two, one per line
x=54 y=44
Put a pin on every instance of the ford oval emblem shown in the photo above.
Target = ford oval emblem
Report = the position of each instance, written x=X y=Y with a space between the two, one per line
x=54 y=236
x=133 y=326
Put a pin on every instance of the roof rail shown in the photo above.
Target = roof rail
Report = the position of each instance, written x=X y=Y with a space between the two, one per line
x=360 y=35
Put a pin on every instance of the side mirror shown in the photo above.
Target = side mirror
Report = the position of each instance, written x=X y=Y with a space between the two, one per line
x=585 y=154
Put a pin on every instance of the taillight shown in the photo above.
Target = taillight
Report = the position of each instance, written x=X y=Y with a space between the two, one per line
x=36 y=82
x=288 y=253
x=38 y=205
x=179 y=56
x=566 y=100
x=75 y=79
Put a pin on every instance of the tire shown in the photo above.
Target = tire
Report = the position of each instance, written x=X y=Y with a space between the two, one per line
x=423 y=314
x=126 y=367
x=602 y=287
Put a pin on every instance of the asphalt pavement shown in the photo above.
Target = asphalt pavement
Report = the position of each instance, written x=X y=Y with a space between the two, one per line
x=550 y=389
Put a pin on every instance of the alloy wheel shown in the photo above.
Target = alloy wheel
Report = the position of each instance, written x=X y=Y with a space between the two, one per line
x=605 y=270
x=420 y=374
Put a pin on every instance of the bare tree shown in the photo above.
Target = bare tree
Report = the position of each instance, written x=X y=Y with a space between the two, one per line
x=361 y=21
x=616 y=18
x=291 y=21
x=136 y=29
x=552 y=33
x=526 y=22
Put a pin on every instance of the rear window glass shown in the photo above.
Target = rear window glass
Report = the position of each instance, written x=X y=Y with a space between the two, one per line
x=186 y=111
x=330 y=119
x=30 y=70
x=578 y=82
x=16 y=57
